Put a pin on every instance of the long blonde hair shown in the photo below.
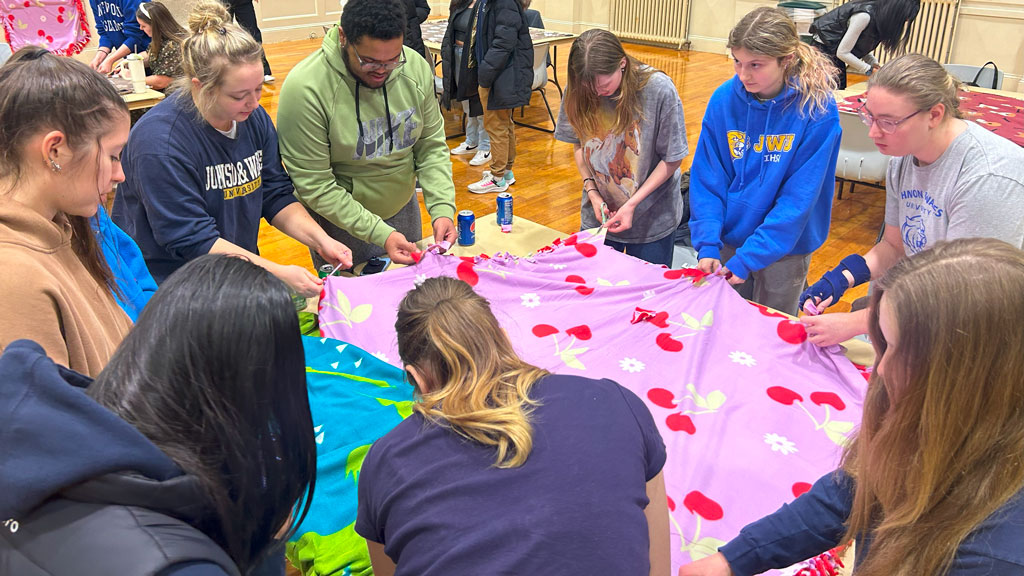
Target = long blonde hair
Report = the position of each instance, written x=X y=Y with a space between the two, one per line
x=478 y=386
x=922 y=80
x=598 y=53
x=941 y=444
x=216 y=45
x=768 y=31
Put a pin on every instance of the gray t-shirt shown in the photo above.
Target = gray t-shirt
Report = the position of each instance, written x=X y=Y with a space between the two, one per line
x=621 y=162
x=975 y=189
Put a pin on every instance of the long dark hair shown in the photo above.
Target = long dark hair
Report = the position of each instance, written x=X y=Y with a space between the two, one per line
x=214 y=375
x=165 y=27
x=39 y=92
x=895 y=22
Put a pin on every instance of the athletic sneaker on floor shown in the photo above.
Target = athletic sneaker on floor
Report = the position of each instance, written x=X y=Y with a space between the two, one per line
x=482 y=157
x=463 y=149
x=268 y=79
x=488 y=184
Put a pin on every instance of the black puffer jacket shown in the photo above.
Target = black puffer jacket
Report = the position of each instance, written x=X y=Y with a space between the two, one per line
x=466 y=89
x=506 y=65
x=416 y=12
x=831 y=28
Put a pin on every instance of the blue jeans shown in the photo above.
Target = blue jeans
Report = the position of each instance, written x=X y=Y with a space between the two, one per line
x=657 y=252
x=475 y=133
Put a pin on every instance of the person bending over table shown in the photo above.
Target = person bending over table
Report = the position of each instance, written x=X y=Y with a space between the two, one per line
x=933 y=482
x=359 y=124
x=625 y=122
x=62 y=127
x=202 y=166
x=948 y=178
x=499 y=470
x=163 y=57
x=118 y=30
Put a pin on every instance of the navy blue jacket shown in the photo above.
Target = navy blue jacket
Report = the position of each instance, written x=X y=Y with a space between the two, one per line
x=813 y=523
x=80 y=486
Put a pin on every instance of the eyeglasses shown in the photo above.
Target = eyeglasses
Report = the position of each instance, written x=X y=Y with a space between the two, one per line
x=370 y=65
x=885 y=125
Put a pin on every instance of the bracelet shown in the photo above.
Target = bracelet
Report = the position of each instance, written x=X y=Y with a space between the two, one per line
x=589 y=190
x=590 y=179
x=100 y=49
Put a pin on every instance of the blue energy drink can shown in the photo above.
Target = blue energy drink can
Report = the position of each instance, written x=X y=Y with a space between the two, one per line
x=467 y=228
x=505 y=212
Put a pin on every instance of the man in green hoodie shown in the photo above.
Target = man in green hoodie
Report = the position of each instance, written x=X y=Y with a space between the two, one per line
x=358 y=124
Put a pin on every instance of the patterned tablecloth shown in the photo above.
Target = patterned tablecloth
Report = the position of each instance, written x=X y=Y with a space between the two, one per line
x=1003 y=115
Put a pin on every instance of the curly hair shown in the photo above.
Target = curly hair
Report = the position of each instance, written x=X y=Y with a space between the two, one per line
x=378 y=19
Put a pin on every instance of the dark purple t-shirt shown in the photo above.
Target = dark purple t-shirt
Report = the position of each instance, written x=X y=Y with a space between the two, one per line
x=439 y=506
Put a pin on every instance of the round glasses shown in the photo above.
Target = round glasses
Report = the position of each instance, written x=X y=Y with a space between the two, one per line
x=885 y=125
x=371 y=65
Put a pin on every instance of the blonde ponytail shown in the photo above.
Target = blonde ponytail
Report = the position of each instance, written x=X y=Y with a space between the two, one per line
x=215 y=45
x=479 y=387
x=769 y=31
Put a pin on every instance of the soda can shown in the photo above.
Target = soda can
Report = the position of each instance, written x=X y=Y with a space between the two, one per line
x=505 y=212
x=467 y=228
x=325 y=271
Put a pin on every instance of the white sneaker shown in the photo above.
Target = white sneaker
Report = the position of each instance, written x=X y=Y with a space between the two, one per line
x=510 y=178
x=482 y=157
x=463 y=149
x=488 y=184
x=268 y=79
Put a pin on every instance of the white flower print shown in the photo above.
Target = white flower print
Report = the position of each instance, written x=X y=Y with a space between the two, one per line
x=420 y=279
x=780 y=444
x=530 y=300
x=380 y=356
x=558 y=266
x=742 y=358
x=631 y=365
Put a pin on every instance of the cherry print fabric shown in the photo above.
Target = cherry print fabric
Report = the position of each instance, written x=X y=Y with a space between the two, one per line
x=751 y=413
x=60 y=26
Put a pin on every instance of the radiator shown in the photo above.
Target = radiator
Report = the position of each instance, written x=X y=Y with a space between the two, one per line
x=932 y=32
x=652 y=21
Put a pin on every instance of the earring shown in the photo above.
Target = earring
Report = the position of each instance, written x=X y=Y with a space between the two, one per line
x=54 y=166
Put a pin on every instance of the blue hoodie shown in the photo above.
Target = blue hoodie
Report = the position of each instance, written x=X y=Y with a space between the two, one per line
x=55 y=438
x=127 y=264
x=814 y=523
x=762 y=178
x=117 y=25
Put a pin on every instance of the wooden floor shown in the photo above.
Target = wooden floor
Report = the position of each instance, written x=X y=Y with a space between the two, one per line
x=547 y=188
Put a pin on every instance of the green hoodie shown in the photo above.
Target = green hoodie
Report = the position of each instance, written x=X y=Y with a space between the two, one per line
x=358 y=182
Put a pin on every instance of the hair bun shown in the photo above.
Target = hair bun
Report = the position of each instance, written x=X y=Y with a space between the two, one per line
x=207 y=15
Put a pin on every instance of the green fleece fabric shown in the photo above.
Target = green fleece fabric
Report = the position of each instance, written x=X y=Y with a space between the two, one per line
x=356 y=182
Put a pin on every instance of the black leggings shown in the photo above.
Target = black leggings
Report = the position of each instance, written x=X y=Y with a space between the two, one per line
x=245 y=15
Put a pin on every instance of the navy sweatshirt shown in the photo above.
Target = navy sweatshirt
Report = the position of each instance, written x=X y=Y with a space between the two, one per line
x=186 y=184
x=813 y=523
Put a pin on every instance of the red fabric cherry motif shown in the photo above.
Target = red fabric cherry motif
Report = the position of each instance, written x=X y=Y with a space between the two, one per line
x=582 y=288
x=830 y=398
x=587 y=250
x=694 y=274
x=542 y=330
x=792 y=331
x=800 y=488
x=784 y=395
x=581 y=332
x=666 y=342
x=659 y=319
x=766 y=312
x=671 y=504
x=662 y=397
x=680 y=423
x=699 y=504
x=466 y=273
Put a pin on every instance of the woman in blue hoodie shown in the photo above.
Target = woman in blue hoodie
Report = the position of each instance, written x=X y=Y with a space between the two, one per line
x=763 y=175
